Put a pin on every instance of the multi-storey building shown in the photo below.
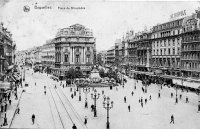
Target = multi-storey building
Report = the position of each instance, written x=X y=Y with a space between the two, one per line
x=110 y=56
x=7 y=48
x=166 y=47
x=48 y=55
x=132 y=51
x=190 y=48
x=101 y=57
x=118 y=49
x=74 y=47
x=143 y=51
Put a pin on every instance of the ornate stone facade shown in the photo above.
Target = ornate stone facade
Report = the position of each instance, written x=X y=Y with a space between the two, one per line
x=74 y=47
x=190 y=54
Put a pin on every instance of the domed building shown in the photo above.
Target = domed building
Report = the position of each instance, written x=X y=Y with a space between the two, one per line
x=74 y=47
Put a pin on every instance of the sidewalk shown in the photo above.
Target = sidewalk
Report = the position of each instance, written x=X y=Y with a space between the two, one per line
x=10 y=109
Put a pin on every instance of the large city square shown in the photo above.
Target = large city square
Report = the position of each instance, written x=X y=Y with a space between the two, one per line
x=99 y=65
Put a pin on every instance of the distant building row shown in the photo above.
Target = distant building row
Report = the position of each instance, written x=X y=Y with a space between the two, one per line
x=173 y=48
x=71 y=47
x=7 y=49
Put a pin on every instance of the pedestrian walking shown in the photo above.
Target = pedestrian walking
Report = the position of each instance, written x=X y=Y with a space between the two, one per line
x=45 y=92
x=74 y=126
x=86 y=105
x=171 y=95
x=44 y=87
x=102 y=92
x=33 y=118
x=176 y=100
x=158 y=95
x=63 y=85
x=72 y=96
x=180 y=96
x=55 y=87
x=124 y=99
x=74 y=93
x=10 y=101
x=17 y=110
x=35 y=83
x=85 y=120
x=16 y=97
x=150 y=97
x=172 y=119
x=135 y=87
x=145 y=101
x=187 y=101
x=5 y=120
x=142 y=104
x=132 y=93
x=129 y=108
x=139 y=100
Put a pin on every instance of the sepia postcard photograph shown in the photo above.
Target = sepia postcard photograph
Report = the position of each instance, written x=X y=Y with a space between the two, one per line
x=101 y=64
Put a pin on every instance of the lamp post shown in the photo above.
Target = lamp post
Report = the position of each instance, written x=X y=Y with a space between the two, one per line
x=176 y=94
x=79 y=94
x=107 y=105
x=95 y=96
x=199 y=99
x=86 y=90
x=24 y=72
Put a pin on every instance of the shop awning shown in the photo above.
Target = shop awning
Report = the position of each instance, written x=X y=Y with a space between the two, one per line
x=4 y=85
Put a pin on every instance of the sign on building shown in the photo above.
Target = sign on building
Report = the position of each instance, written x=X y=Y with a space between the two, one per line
x=178 y=15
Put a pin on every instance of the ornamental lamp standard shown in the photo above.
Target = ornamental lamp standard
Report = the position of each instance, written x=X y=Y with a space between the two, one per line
x=107 y=105
x=199 y=98
x=176 y=93
x=95 y=96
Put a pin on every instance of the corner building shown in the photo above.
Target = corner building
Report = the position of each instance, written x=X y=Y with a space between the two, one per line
x=190 y=54
x=166 y=47
x=74 y=47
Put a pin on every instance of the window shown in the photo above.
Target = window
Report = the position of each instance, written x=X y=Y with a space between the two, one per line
x=88 y=58
x=160 y=51
x=164 y=51
x=88 y=48
x=178 y=51
x=157 y=52
x=173 y=51
x=173 y=42
x=77 y=58
x=169 y=51
x=66 y=58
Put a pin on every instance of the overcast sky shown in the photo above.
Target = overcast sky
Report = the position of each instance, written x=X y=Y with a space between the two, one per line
x=108 y=20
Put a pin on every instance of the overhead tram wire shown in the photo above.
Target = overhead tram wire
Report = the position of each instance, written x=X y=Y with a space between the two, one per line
x=75 y=112
x=51 y=112
x=57 y=110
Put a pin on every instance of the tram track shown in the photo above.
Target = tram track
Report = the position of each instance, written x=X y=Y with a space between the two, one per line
x=59 y=114
x=77 y=116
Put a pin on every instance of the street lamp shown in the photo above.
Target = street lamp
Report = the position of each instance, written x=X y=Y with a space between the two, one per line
x=95 y=96
x=79 y=94
x=86 y=90
x=176 y=94
x=107 y=105
x=199 y=99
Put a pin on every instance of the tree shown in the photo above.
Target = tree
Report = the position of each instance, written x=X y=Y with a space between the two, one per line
x=102 y=73
x=70 y=73
x=99 y=59
x=74 y=73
